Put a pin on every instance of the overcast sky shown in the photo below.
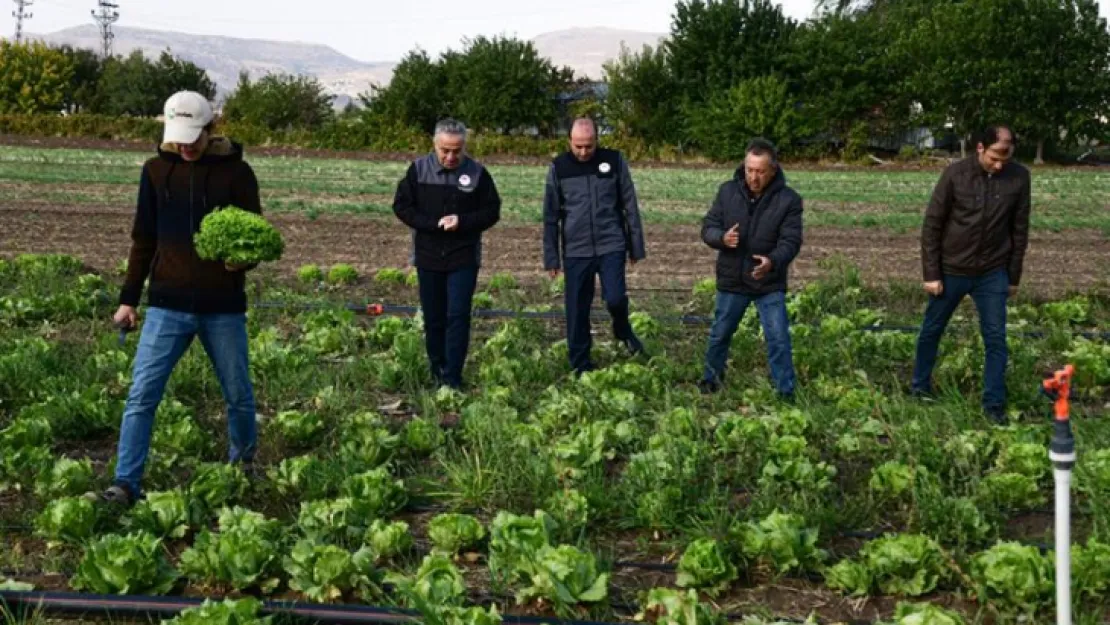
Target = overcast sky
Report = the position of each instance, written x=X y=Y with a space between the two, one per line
x=368 y=30
x=372 y=30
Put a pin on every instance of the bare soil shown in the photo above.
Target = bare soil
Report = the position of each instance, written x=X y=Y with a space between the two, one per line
x=1056 y=263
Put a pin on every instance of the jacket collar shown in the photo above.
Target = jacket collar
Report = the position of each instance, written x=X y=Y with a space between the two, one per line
x=220 y=150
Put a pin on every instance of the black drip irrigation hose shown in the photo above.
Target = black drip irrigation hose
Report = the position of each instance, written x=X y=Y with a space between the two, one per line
x=376 y=310
x=131 y=606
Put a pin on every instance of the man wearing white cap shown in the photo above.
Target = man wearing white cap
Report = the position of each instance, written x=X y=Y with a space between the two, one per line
x=193 y=174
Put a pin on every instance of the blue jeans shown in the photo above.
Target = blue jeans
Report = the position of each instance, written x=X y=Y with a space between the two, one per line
x=579 y=296
x=990 y=294
x=165 y=336
x=730 y=309
x=446 y=298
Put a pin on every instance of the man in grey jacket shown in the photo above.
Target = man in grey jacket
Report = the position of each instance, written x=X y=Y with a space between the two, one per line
x=591 y=224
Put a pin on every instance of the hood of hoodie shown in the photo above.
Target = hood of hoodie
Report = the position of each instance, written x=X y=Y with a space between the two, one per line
x=777 y=183
x=219 y=150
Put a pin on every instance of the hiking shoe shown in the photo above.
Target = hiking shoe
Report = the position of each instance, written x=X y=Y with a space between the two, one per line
x=116 y=494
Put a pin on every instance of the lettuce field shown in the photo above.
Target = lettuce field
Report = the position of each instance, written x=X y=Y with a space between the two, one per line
x=621 y=496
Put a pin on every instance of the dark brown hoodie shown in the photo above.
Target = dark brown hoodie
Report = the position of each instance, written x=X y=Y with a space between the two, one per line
x=174 y=196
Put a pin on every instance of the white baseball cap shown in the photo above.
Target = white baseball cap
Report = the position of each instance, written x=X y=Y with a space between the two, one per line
x=186 y=114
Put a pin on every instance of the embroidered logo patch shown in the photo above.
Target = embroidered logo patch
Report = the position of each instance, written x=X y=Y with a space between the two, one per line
x=604 y=168
x=464 y=180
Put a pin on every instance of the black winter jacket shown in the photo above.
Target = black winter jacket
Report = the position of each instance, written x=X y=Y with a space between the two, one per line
x=429 y=192
x=174 y=196
x=773 y=229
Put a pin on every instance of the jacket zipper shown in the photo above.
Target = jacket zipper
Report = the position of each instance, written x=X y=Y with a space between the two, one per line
x=983 y=215
x=192 y=185
x=753 y=219
x=443 y=213
x=593 y=207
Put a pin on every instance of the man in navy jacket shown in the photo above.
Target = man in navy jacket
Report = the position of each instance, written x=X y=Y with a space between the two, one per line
x=591 y=225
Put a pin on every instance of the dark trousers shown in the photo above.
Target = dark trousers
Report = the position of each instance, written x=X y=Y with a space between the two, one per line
x=579 y=294
x=445 y=299
x=990 y=293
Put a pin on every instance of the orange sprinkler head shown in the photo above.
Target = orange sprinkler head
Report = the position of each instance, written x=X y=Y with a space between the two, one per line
x=1059 y=387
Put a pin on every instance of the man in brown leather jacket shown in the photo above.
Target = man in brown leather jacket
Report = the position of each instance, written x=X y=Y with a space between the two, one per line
x=973 y=243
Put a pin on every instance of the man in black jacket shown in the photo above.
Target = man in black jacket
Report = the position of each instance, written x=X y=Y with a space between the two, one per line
x=756 y=224
x=973 y=243
x=591 y=224
x=449 y=200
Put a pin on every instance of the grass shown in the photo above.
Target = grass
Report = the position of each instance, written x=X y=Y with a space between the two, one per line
x=1063 y=198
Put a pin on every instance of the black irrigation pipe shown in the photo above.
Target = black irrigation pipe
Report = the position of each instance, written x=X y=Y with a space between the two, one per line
x=133 y=606
x=493 y=313
x=130 y=606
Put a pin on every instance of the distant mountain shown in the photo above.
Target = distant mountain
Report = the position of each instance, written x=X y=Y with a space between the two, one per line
x=583 y=49
x=586 y=49
x=225 y=57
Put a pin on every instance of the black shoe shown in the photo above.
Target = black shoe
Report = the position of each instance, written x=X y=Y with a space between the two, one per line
x=584 y=369
x=786 y=398
x=708 y=387
x=115 y=495
x=253 y=473
x=998 y=416
x=635 y=347
x=923 y=395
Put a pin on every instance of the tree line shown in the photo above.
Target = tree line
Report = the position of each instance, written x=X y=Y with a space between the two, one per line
x=728 y=70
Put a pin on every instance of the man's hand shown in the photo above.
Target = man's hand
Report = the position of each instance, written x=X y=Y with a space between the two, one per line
x=126 y=318
x=732 y=237
x=235 y=266
x=763 y=268
x=934 y=288
x=449 y=223
x=1013 y=291
x=553 y=273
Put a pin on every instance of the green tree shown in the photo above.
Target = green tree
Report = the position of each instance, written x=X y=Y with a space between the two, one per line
x=757 y=107
x=279 y=102
x=88 y=67
x=643 y=99
x=846 y=72
x=415 y=97
x=1065 y=66
x=714 y=44
x=1041 y=65
x=33 y=78
x=136 y=86
x=503 y=85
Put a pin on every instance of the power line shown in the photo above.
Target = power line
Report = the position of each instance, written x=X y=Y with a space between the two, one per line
x=20 y=13
x=107 y=16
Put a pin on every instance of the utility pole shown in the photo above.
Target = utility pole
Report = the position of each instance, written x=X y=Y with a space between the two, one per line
x=106 y=16
x=20 y=13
